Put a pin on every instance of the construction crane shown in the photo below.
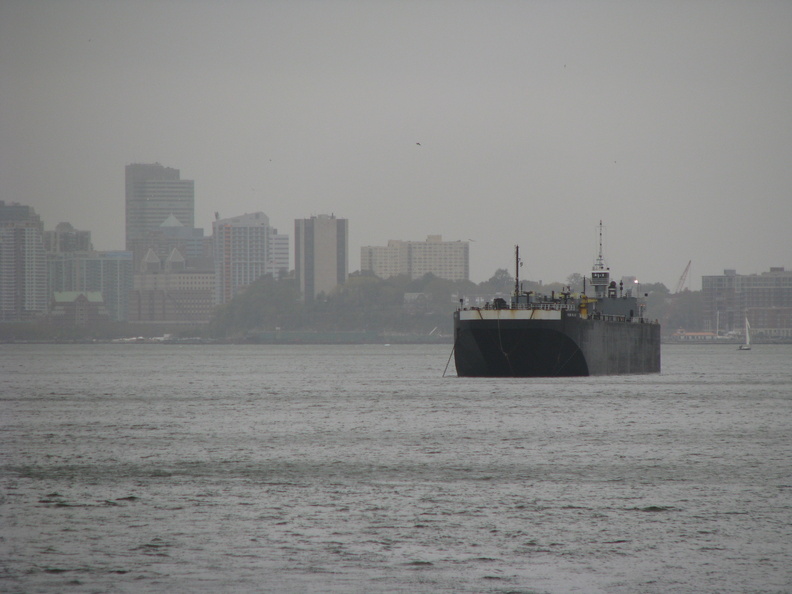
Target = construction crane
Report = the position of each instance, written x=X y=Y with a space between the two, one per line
x=683 y=278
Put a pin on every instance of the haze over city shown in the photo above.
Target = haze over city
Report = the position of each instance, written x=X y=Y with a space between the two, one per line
x=502 y=123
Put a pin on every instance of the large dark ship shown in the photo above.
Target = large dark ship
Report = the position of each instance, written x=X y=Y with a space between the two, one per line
x=563 y=334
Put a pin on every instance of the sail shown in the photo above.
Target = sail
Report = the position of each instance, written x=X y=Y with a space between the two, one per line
x=746 y=346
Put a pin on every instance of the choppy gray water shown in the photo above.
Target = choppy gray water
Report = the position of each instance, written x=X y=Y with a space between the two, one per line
x=152 y=468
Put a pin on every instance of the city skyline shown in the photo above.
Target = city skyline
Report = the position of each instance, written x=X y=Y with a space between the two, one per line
x=86 y=285
x=496 y=122
x=281 y=242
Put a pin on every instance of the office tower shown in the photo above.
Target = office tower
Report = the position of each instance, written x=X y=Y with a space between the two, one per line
x=153 y=194
x=242 y=253
x=444 y=259
x=170 y=235
x=321 y=254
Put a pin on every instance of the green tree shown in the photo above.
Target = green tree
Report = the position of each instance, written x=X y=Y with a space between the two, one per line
x=265 y=304
x=500 y=282
x=684 y=310
x=575 y=282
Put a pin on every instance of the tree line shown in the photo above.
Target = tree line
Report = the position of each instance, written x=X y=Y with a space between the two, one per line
x=400 y=305
x=367 y=303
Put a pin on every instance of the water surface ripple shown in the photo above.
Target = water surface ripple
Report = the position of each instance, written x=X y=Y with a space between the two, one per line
x=152 y=468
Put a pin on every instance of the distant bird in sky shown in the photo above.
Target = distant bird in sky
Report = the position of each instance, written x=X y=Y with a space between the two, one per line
x=418 y=143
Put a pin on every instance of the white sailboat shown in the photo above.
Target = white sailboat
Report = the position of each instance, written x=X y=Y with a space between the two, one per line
x=747 y=345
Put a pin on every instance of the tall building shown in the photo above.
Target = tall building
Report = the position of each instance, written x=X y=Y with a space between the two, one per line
x=245 y=249
x=444 y=259
x=23 y=272
x=170 y=235
x=321 y=254
x=23 y=264
x=81 y=278
x=278 y=257
x=153 y=194
x=108 y=273
x=765 y=299
x=13 y=212
x=169 y=292
x=65 y=238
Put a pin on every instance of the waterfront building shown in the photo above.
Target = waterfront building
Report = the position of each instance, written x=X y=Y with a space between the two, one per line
x=153 y=194
x=278 y=256
x=108 y=273
x=449 y=260
x=78 y=308
x=169 y=292
x=85 y=285
x=23 y=265
x=385 y=261
x=766 y=300
x=321 y=254
x=23 y=271
x=245 y=249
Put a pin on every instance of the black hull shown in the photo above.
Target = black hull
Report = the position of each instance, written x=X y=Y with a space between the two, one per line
x=571 y=346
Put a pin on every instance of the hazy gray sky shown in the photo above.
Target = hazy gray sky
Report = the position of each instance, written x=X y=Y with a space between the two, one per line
x=670 y=121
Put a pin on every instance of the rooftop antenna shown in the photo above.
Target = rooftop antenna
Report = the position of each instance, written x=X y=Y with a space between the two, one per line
x=599 y=264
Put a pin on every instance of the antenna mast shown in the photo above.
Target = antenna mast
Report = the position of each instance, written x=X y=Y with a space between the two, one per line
x=599 y=264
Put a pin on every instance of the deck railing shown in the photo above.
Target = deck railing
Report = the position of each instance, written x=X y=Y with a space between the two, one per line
x=569 y=308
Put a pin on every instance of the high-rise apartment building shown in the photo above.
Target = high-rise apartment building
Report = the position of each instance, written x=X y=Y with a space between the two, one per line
x=444 y=259
x=23 y=272
x=23 y=264
x=765 y=299
x=13 y=212
x=245 y=249
x=153 y=194
x=321 y=254
x=278 y=257
x=65 y=239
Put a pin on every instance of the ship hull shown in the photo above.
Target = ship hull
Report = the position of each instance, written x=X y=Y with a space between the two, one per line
x=569 y=346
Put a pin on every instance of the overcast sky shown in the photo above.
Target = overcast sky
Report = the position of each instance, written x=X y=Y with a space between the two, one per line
x=502 y=123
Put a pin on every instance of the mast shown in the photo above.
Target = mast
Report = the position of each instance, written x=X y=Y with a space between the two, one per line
x=600 y=276
x=516 y=270
x=599 y=264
